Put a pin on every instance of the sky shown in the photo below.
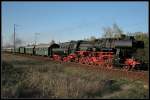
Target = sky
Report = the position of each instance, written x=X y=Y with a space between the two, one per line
x=65 y=21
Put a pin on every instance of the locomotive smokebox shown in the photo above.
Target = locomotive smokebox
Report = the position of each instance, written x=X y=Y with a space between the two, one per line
x=123 y=44
x=139 y=44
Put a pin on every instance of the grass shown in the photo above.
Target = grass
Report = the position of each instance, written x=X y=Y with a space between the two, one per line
x=136 y=91
x=28 y=78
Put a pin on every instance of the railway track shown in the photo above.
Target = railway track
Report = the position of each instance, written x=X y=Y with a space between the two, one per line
x=133 y=75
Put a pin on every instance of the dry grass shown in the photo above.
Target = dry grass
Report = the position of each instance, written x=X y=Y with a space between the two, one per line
x=27 y=78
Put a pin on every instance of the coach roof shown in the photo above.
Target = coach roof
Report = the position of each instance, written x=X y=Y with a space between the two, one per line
x=47 y=45
x=30 y=46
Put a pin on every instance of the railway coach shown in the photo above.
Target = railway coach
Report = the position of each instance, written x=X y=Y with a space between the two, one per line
x=30 y=50
x=16 y=50
x=8 y=50
x=45 y=49
x=22 y=50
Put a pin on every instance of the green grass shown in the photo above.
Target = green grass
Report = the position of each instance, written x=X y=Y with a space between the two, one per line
x=28 y=78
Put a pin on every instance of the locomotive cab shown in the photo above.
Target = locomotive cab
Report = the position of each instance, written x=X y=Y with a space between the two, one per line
x=125 y=50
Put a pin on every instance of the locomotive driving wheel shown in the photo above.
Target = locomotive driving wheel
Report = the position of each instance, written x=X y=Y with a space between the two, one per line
x=76 y=59
x=109 y=66
x=81 y=60
x=126 y=68
x=65 y=59
x=87 y=60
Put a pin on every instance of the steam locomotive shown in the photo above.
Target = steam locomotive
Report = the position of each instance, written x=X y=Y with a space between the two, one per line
x=104 y=52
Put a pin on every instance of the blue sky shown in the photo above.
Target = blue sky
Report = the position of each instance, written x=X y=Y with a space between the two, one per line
x=64 y=21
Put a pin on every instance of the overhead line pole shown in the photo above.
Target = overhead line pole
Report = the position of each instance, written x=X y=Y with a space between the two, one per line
x=36 y=37
x=14 y=36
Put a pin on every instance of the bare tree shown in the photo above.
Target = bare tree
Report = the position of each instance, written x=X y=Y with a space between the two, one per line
x=114 y=31
x=117 y=31
x=52 y=42
x=108 y=32
x=92 y=38
x=8 y=45
x=18 y=42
